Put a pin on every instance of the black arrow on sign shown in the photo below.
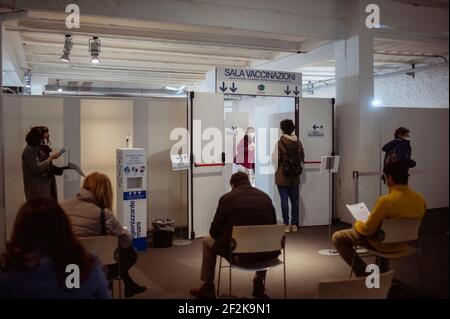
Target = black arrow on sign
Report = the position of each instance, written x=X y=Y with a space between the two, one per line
x=296 y=91
x=233 y=88
x=223 y=88
x=315 y=126
x=287 y=91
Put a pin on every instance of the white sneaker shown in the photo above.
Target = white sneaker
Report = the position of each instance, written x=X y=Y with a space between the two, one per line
x=294 y=228
x=287 y=229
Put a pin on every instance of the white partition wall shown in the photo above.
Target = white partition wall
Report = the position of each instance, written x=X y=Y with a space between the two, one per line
x=20 y=113
x=167 y=189
x=314 y=186
x=92 y=129
x=207 y=182
x=429 y=142
x=105 y=124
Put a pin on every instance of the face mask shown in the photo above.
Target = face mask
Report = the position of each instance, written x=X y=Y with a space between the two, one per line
x=406 y=138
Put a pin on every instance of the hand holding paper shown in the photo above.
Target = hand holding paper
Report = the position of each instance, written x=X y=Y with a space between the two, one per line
x=359 y=211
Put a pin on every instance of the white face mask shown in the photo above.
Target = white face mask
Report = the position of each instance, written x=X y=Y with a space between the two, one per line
x=406 y=138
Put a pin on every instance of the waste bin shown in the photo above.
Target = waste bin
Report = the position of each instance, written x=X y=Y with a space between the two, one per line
x=162 y=233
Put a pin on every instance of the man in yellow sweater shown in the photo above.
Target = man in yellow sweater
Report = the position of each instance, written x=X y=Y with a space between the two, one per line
x=401 y=203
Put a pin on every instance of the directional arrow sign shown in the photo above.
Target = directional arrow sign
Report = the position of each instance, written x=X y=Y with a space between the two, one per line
x=287 y=91
x=223 y=88
x=230 y=80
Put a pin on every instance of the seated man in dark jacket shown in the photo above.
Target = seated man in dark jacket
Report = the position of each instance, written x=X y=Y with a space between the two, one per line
x=243 y=205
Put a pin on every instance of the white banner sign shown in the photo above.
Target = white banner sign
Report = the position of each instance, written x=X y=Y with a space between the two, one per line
x=258 y=82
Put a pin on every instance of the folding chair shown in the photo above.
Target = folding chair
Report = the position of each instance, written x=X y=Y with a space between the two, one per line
x=355 y=288
x=397 y=231
x=256 y=239
x=104 y=248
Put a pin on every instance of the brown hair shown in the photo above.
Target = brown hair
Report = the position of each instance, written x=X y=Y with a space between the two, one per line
x=100 y=185
x=41 y=227
x=400 y=132
x=239 y=178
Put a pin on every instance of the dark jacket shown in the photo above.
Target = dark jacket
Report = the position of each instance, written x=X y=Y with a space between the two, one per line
x=284 y=143
x=39 y=174
x=244 y=205
x=402 y=149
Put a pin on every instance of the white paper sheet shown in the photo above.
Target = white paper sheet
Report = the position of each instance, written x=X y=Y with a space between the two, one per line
x=359 y=211
x=76 y=168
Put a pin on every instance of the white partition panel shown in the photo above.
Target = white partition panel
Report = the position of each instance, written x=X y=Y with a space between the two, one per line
x=154 y=120
x=429 y=141
x=314 y=186
x=105 y=124
x=207 y=183
x=20 y=113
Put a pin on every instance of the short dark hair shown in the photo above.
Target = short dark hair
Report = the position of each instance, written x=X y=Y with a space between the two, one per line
x=239 y=178
x=34 y=136
x=400 y=131
x=398 y=171
x=287 y=126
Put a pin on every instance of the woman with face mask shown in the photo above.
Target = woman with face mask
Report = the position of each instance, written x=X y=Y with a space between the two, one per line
x=399 y=149
x=245 y=155
x=37 y=165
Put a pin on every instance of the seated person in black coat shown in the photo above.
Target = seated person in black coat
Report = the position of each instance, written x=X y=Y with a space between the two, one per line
x=243 y=205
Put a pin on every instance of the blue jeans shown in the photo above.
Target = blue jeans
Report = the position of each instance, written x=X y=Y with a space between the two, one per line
x=292 y=193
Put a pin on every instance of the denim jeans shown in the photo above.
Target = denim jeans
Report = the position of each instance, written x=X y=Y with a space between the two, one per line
x=289 y=193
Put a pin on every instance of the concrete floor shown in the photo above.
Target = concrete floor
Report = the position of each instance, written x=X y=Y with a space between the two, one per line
x=171 y=272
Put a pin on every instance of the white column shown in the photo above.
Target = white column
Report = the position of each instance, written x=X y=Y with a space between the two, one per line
x=357 y=125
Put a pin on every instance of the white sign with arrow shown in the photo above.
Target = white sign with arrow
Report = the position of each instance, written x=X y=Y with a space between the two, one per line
x=258 y=82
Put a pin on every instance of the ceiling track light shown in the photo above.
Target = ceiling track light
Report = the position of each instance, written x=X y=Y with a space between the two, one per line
x=94 y=49
x=67 y=47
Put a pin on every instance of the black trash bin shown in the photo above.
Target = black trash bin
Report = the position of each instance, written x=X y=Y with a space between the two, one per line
x=162 y=234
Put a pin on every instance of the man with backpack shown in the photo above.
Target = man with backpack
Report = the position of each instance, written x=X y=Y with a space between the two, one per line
x=399 y=149
x=287 y=176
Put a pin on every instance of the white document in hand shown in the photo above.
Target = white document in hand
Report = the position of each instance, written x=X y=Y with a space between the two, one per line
x=359 y=211
x=76 y=168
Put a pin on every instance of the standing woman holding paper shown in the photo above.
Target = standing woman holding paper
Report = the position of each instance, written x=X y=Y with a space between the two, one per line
x=37 y=165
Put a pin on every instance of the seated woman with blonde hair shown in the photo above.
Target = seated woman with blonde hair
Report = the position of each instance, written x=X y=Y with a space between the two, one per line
x=91 y=215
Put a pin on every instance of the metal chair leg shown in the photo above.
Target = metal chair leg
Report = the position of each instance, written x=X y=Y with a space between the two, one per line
x=353 y=263
x=218 y=279
x=284 y=274
x=422 y=291
x=230 y=280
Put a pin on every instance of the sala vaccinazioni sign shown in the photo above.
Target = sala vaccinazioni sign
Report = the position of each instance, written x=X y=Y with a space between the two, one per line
x=250 y=74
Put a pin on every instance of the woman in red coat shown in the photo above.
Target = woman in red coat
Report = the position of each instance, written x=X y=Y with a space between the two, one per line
x=245 y=153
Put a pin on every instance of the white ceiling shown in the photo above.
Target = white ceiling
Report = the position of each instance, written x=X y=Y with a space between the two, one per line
x=145 y=54
x=152 y=55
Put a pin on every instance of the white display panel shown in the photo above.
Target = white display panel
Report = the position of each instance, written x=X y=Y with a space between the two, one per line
x=207 y=183
x=20 y=113
x=105 y=124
